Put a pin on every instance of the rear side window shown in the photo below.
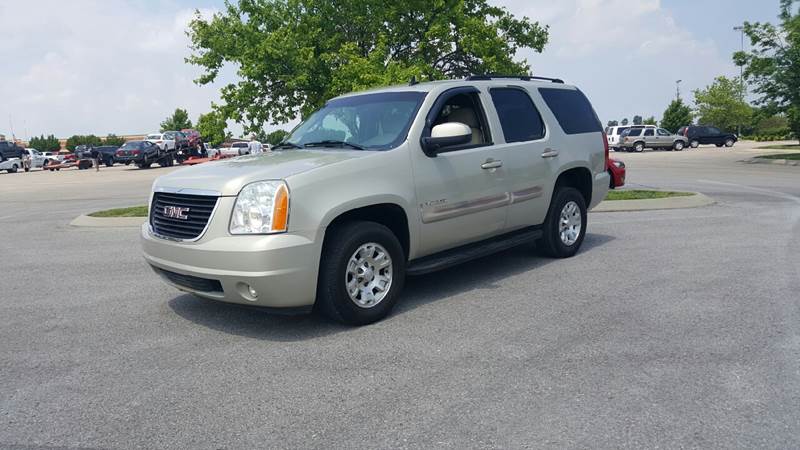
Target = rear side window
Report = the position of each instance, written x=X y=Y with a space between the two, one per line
x=635 y=132
x=518 y=116
x=572 y=110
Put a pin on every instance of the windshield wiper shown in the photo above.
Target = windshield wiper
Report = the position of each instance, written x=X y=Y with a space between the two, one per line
x=330 y=143
x=287 y=144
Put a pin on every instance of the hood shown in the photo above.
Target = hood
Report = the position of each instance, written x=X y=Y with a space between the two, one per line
x=228 y=176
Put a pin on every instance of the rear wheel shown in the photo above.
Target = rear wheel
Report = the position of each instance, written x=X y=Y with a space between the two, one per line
x=678 y=145
x=565 y=225
x=611 y=180
x=143 y=165
x=13 y=168
x=695 y=143
x=638 y=147
x=110 y=162
x=729 y=142
x=361 y=273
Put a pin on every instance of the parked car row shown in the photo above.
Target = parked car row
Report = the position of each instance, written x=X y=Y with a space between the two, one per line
x=637 y=138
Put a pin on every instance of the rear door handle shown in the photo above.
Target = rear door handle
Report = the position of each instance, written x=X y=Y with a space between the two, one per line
x=549 y=153
x=491 y=164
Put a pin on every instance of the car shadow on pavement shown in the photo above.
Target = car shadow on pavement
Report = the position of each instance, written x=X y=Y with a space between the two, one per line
x=480 y=274
x=485 y=273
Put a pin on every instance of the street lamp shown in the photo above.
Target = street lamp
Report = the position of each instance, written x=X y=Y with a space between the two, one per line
x=740 y=29
x=678 y=89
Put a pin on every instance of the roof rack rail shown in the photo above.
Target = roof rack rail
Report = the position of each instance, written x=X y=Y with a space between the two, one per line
x=516 y=77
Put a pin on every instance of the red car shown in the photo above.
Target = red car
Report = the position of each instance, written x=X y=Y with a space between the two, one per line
x=616 y=171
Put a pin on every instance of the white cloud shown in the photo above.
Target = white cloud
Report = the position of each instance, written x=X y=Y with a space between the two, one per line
x=113 y=66
x=626 y=55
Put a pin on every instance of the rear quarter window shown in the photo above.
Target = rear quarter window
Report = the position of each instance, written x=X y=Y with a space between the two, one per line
x=518 y=116
x=572 y=110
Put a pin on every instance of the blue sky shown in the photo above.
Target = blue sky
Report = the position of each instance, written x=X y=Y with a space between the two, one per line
x=116 y=66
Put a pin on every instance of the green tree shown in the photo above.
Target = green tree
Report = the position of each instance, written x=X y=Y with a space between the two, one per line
x=45 y=144
x=113 y=139
x=177 y=121
x=721 y=104
x=276 y=137
x=76 y=140
x=212 y=128
x=624 y=122
x=637 y=120
x=294 y=55
x=650 y=121
x=612 y=123
x=773 y=64
x=675 y=116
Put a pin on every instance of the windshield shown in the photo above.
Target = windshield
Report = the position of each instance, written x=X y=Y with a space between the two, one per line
x=373 y=121
x=153 y=136
x=131 y=144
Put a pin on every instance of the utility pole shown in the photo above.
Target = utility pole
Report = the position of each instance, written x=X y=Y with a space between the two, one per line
x=742 y=93
x=678 y=90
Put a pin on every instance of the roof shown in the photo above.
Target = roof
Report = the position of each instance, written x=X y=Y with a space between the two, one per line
x=429 y=86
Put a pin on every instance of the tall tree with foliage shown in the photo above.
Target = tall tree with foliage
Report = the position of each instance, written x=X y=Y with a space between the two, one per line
x=676 y=115
x=212 y=128
x=650 y=121
x=276 y=137
x=773 y=64
x=177 y=121
x=624 y=122
x=612 y=123
x=294 y=55
x=637 y=120
x=45 y=144
x=722 y=104
x=113 y=139
x=76 y=140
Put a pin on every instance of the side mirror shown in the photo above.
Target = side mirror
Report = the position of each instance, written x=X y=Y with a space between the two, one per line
x=446 y=135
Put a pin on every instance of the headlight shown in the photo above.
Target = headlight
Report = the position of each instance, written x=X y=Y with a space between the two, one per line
x=261 y=208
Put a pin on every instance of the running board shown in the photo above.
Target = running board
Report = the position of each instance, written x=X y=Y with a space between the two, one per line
x=458 y=255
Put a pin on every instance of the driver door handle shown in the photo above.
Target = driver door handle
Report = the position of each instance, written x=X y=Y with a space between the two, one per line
x=491 y=164
x=549 y=153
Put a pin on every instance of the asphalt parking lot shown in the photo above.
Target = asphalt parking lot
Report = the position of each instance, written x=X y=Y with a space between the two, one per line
x=676 y=328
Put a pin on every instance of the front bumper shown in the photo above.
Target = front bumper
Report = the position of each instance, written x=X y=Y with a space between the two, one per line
x=281 y=268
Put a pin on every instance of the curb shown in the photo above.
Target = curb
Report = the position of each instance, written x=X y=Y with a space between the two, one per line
x=779 y=162
x=108 y=222
x=693 y=201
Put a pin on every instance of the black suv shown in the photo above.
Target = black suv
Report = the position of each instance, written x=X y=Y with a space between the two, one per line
x=9 y=150
x=699 y=134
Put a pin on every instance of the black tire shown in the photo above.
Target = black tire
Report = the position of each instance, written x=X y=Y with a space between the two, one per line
x=694 y=144
x=638 y=147
x=143 y=165
x=341 y=243
x=718 y=145
x=551 y=244
x=127 y=163
x=678 y=146
x=13 y=169
x=729 y=143
x=110 y=162
x=610 y=180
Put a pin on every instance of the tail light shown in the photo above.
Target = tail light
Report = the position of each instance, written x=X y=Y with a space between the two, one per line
x=136 y=152
x=605 y=146
x=119 y=153
x=686 y=132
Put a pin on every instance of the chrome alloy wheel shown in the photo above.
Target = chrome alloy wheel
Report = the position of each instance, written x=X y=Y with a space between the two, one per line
x=570 y=223
x=369 y=275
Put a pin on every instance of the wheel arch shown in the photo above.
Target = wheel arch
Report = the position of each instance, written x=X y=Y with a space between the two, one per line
x=580 y=178
x=387 y=213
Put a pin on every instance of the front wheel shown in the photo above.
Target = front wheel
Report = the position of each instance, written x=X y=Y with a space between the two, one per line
x=694 y=144
x=13 y=169
x=729 y=143
x=143 y=165
x=565 y=225
x=361 y=273
x=110 y=162
x=638 y=147
x=678 y=145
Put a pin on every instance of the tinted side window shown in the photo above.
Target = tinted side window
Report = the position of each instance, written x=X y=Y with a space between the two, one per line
x=648 y=132
x=713 y=130
x=635 y=132
x=572 y=110
x=518 y=116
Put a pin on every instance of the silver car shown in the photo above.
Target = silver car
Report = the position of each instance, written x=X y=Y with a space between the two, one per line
x=639 y=137
x=382 y=184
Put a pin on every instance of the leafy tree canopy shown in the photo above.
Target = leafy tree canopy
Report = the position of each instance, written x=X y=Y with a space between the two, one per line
x=113 y=139
x=612 y=123
x=624 y=122
x=676 y=115
x=276 y=137
x=294 y=55
x=177 y=121
x=212 y=128
x=637 y=120
x=76 y=140
x=45 y=144
x=650 y=121
x=773 y=64
x=721 y=104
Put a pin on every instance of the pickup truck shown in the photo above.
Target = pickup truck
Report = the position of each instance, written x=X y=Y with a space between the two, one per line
x=11 y=165
x=10 y=150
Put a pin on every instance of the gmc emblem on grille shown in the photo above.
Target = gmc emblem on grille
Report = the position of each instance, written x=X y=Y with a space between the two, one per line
x=176 y=212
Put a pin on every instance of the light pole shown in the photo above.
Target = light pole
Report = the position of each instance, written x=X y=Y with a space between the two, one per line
x=740 y=29
x=678 y=90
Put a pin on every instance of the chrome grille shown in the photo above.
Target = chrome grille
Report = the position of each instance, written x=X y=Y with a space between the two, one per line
x=196 y=209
